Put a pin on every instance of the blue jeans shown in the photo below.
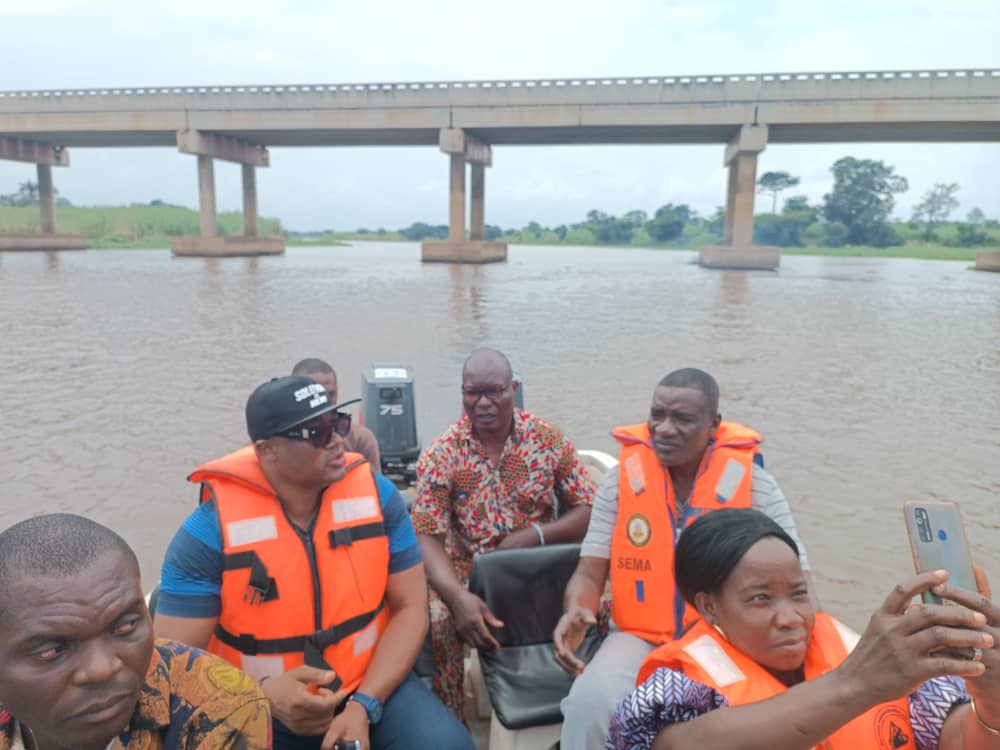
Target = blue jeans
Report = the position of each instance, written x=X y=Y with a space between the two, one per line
x=413 y=719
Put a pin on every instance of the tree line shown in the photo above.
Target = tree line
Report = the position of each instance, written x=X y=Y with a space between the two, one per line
x=855 y=212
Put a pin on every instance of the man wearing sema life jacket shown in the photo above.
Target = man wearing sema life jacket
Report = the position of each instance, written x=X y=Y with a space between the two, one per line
x=762 y=669
x=301 y=567
x=684 y=462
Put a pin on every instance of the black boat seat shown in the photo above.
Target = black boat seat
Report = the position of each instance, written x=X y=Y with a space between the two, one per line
x=524 y=588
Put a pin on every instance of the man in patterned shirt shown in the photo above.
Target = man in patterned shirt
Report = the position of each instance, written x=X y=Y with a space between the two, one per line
x=78 y=664
x=499 y=478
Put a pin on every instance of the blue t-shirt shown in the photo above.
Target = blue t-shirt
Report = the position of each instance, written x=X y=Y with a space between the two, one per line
x=192 y=568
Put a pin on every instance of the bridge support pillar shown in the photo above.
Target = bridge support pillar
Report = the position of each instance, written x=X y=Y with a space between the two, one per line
x=456 y=198
x=461 y=148
x=208 y=243
x=738 y=250
x=477 y=202
x=44 y=157
x=249 y=201
x=206 y=196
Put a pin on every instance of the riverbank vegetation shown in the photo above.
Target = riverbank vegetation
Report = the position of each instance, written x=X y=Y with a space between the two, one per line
x=135 y=226
x=852 y=219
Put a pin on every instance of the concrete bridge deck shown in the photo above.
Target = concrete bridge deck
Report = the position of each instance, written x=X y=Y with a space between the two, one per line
x=939 y=105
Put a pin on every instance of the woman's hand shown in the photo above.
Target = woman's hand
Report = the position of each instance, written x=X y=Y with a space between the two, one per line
x=904 y=641
x=985 y=687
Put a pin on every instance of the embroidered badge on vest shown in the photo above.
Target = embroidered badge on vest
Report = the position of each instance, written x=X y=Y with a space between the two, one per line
x=638 y=530
x=633 y=470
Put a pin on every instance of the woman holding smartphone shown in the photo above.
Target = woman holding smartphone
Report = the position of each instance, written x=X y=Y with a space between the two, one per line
x=762 y=669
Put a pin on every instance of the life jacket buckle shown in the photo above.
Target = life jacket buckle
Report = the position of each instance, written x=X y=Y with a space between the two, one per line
x=341 y=538
x=261 y=587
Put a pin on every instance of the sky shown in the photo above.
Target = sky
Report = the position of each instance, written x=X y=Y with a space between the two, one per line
x=60 y=44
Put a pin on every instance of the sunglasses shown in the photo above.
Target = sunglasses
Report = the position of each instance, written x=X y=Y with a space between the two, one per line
x=321 y=434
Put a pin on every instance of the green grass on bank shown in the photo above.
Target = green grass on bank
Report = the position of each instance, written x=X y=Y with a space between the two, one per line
x=128 y=226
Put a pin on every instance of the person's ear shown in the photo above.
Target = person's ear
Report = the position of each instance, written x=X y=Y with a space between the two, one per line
x=707 y=607
x=716 y=422
x=265 y=450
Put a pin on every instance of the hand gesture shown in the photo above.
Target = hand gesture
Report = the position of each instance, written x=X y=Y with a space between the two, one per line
x=568 y=636
x=907 y=643
x=472 y=617
x=985 y=687
x=296 y=706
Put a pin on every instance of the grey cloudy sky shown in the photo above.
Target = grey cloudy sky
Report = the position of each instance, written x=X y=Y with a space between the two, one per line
x=76 y=44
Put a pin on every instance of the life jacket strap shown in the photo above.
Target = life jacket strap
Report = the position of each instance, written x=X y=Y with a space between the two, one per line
x=262 y=587
x=320 y=640
x=350 y=535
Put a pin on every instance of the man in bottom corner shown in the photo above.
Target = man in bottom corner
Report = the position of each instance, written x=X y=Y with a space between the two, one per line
x=78 y=664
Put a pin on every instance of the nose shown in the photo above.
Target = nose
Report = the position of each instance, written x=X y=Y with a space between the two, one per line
x=787 y=616
x=99 y=662
x=665 y=427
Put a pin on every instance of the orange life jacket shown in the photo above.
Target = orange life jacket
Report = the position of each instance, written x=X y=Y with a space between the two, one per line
x=289 y=597
x=706 y=657
x=647 y=527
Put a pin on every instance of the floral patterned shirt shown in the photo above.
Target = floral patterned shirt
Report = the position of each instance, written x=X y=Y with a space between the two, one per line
x=191 y=700
x=475 y=504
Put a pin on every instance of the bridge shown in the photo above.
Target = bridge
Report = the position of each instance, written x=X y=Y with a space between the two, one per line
x=466 y=119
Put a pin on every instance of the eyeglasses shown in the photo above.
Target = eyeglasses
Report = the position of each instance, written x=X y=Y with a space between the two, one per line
x=493 y=393
x=321 y=434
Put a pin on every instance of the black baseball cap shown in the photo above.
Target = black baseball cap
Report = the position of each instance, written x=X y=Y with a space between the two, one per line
x=283 y=403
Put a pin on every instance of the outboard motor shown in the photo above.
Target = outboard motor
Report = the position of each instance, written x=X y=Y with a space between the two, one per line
x=389 y=412
x=519 y=393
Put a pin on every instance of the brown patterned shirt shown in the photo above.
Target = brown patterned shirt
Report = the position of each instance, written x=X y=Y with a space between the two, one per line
x=191 y=700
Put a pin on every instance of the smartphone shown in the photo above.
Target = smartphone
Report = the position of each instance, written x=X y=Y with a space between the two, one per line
x=347 y=745
x=937 y=539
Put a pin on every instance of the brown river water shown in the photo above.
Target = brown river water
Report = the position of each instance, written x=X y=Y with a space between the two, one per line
x=873 y=381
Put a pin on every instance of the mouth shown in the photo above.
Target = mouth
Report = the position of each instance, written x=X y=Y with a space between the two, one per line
x=104 y=711
x=790 y=644
x=663 y=447
x=337 y=461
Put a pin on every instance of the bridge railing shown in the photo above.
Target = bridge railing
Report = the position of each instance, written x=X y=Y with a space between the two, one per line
x=768 y=80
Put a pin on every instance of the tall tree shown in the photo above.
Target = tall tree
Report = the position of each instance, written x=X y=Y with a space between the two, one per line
x=862 y=199
x=774 y=183
x=976 y=216
x=936 y=205
x=668 y=222
x=636 y=218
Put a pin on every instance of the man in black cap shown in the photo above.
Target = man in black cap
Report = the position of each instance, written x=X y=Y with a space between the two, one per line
x=301 y=567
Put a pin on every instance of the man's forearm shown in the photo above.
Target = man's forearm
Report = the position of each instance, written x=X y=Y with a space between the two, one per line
x=441 y=573
x=569 y=529
x=587 y=584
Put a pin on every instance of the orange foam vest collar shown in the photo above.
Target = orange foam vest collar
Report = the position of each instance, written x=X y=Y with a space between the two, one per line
x=706 y=657
x=645 y=602
x=291 y=597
